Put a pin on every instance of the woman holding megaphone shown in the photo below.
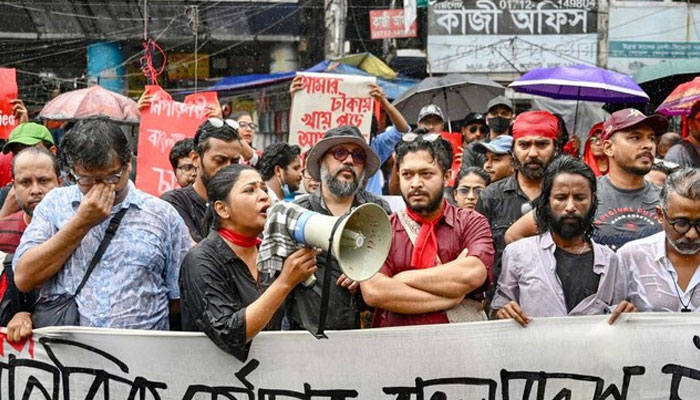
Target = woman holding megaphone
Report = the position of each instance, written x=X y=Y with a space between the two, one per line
x=220 y=290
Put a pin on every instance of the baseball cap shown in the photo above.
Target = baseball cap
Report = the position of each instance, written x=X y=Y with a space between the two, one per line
x=500 y=145
x=28 y=134
x=630 y=117
x=430 y=109
x=474 y=117
x=500 y=101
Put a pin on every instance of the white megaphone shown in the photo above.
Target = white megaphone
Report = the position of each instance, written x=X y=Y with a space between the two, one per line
x=361 y=240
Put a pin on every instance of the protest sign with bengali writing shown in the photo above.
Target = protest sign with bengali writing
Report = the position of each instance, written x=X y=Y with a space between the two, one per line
x=8 y=92
x=163 y=124
x=328 y=101
x=641 y=356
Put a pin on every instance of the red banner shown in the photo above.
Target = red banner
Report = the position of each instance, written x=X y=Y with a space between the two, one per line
x=455 y=140
x=8 y=92
x=389 y=24
x=163 y=124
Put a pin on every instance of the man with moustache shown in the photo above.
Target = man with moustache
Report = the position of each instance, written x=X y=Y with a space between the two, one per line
x=216 y=145
x=561 y=271
x=439 y=253
x=663 y=268
x=342 y=161
x=626 y=201
x=534 y=147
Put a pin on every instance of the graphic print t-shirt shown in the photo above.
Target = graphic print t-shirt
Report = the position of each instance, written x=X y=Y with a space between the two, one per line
x=625 y=215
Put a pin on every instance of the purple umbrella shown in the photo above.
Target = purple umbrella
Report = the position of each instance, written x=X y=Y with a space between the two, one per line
x=581 y=82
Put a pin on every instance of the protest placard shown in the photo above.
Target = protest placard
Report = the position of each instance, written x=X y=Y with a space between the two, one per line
x=641 y=356
x=8 y=92
x=328 y=101
x=163 y=124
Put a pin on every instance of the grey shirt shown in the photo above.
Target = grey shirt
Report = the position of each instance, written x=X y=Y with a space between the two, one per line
x=625 y=215
x=684 y=154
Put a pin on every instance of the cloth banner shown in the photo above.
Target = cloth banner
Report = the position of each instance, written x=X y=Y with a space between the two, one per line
x=641 y=356
x=8 y=92
x=329 y=101
x=163 y=124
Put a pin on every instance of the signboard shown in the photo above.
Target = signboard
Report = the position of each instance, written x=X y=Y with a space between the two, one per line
x=163 y=124
x=182 y=66
x=643 y=356
x=8 y=92
x=630 y=48
x=510 y=35
x=329 y=101
x=389 y=24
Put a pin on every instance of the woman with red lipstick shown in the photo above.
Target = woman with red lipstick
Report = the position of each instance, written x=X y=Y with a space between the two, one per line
x=220 y=289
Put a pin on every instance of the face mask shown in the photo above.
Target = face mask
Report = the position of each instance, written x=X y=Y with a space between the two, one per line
x=499 y=124
x=285 y=188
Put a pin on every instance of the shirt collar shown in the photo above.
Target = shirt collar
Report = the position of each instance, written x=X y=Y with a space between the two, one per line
x=658 y=247
x=221 y=247
x=601 y=258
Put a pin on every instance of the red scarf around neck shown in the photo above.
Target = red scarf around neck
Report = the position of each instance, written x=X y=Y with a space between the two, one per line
x=238 y=239
x=426 y=247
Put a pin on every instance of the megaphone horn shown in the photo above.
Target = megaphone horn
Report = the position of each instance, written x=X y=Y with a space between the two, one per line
x=361 y=240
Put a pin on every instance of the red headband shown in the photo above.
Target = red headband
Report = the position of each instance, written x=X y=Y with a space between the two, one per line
x=536 y=123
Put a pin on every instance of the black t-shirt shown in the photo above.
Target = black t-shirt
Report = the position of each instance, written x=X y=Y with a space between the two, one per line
x=575 y=273
x=191 y=208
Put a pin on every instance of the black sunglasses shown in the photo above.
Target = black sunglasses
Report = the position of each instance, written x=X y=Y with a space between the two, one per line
x=341 y=153
x=682 y=225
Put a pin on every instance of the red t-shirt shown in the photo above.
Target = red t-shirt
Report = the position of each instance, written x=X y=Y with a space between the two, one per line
x=5 y=169
x=11 y=229
x=458 y=229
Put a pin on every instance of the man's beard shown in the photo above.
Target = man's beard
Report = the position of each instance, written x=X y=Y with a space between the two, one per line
x=684 y=247
x=575 y=227
x=639 y=171
x=529 y=173
x=204 y=176
x=338 y=188
x=432 y=205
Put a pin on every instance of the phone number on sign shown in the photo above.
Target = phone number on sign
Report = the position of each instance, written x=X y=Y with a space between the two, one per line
x=530 y=4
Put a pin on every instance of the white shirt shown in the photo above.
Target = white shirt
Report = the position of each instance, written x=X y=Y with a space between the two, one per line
x=653 y=279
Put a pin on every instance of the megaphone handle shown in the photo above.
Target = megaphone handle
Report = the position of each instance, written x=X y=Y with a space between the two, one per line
x=325 y=295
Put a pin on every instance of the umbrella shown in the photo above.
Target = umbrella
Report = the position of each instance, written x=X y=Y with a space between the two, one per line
x=456 y=94
x=658 y=80
x=581 y=82
x=681 y=100
x=91 y=102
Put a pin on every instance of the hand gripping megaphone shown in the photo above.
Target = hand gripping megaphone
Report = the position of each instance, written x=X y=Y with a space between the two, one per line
x=361 y=239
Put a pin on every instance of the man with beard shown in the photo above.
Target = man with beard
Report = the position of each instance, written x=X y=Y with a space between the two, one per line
x=216 y=145
x=663 y=268
x=34 y=173
x=341 y=161
x=439 y=253
x=280 y=168
x=561 y=271
x=627 y=203
x=503 y=202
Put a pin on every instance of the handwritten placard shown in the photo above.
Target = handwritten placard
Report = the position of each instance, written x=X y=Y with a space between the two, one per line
x=163 y=124
x=8 y=92
x=329 y=101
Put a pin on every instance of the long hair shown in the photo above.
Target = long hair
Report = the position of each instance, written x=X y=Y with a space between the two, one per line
x=565 y=165
x=218 y=188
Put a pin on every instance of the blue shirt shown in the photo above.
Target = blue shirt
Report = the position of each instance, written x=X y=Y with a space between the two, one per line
x=384 y=146
x=131 y=285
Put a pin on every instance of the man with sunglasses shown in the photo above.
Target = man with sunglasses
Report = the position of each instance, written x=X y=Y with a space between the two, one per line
x=216 y=145
x=439 y=253
x=474 y=130
x=134 y=284
x=663 y=268
x=342 y=161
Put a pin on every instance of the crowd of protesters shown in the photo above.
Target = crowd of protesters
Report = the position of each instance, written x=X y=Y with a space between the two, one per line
x=530 y=224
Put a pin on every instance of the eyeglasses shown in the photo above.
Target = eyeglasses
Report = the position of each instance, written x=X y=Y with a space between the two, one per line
x=218 y=123
x=474 y=128
x=187 y=168
x=596 y=139
x=464 y=190
x=428 y=137
x=682 y=225
x=341 y=153
x=108 y=179
x=250 y=125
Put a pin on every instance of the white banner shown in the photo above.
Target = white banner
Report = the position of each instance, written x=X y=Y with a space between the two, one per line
x=328 y=101
x=642 y=356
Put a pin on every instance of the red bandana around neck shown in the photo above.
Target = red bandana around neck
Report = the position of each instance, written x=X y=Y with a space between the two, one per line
x=238 y=239
x=426 y=247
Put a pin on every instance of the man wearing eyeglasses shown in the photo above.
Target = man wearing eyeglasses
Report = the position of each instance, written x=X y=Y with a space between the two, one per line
x=181 y=160
x=439 y=253
x=663 y=268
x=341 y=161
x=474 y=130
x=135 y=283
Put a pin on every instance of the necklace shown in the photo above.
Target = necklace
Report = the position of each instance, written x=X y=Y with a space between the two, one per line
x=680 y=299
